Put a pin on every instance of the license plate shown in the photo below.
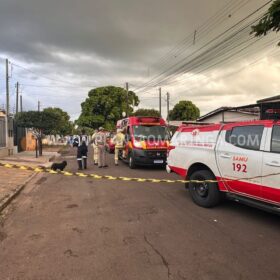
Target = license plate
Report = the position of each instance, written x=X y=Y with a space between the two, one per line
x=158 y=161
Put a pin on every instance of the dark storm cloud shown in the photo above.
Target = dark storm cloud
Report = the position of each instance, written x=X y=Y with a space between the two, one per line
x=100 y=42
x=120 y=30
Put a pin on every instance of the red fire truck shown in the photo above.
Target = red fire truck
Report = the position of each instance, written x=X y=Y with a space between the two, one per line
x=146 y=141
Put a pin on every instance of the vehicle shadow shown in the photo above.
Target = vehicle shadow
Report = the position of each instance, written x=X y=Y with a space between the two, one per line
x=253 y=213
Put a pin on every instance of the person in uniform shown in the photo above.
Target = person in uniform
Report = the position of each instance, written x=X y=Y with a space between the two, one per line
x=83 y=138
x=118 y=140
x=95 y=148
x=76 y=141
x=82 y=156
x=100 y=140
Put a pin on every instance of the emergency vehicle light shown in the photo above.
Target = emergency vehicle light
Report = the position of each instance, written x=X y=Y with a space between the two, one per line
x=149 y=120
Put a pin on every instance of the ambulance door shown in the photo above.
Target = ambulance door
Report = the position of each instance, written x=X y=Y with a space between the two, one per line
x=271 y=166
x=239 y=157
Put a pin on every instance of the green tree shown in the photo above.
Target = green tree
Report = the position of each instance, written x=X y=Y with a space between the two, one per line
x=104 y=106
x=147 y=113
x=64 y=126
x=41 y=123
x=269 y=22
x=184 y=111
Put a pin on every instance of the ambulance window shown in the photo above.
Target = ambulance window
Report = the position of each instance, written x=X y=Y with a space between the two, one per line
x=246 y=137
x=275 y=142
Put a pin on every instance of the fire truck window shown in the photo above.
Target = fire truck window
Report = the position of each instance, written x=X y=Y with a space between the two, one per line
x=145 y=132
x=275 y=142
x=246 y=137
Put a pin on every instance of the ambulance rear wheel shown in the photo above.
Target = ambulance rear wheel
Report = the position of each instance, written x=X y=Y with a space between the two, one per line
x=131 y=162
x=204 y=194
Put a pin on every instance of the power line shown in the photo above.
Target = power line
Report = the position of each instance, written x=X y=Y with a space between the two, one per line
x=53 y=86
x=203 y=29
x=274 y=54
x=48 y=78
x=209 y=27
x=203 y=55
x=156 y=80
x=230 y=56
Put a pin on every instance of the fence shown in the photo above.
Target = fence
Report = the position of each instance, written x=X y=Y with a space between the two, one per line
x=3 y=143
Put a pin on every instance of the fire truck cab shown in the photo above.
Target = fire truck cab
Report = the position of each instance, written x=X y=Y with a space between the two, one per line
x=146 y=141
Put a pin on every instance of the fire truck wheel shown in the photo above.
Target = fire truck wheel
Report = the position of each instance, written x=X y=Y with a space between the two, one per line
x=131 y=163
x=204 y=194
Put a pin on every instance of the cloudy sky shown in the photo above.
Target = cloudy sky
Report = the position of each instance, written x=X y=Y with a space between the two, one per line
x=59 y=49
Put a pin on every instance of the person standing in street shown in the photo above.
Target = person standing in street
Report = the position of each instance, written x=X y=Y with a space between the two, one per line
x=95 y=147
x=100 y=140
x=119 y=144
x=82 y=152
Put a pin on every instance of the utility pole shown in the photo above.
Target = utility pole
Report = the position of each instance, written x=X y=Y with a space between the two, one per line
x=17 y=92
x=21 y=103
x=167 y=100
x=126 y=86
x=7 y=89
x=159 y=101
x=39 y=106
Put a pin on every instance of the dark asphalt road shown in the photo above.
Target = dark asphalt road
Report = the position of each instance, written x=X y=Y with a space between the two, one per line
x=78 y=228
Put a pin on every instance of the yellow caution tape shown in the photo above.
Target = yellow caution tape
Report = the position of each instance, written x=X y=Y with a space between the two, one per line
x=108 y=177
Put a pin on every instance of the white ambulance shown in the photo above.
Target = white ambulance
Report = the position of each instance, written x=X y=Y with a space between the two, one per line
x=244 y=159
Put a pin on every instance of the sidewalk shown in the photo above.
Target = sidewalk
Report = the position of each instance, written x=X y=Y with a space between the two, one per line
x=13 y=180
x=29 y=159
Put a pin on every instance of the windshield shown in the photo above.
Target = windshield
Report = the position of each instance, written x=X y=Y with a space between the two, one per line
x=145 y=132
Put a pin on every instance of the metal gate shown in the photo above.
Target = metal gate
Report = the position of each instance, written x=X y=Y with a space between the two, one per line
x=20 y=137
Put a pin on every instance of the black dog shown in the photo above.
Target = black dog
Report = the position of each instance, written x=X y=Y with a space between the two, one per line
x=59 y=166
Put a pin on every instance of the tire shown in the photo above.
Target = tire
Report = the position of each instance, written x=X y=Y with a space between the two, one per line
x=131 y=162
x=206 y=195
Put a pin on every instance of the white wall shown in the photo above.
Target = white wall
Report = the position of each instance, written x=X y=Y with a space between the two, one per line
x=3 y=149
x=231 y=117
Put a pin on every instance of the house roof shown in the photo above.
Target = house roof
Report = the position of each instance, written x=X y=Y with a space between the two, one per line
x=214 y=112
x=230 y=109
x=270 y=99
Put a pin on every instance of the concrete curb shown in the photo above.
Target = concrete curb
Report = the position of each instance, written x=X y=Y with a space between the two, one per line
x=7 y=200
